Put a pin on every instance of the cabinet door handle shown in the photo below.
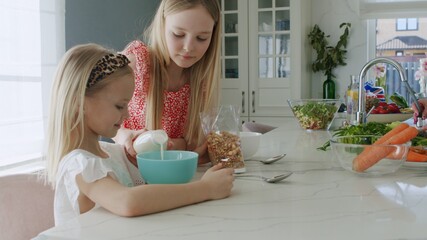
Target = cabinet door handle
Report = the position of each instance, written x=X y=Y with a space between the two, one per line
x=253 y=101
x=243 y=101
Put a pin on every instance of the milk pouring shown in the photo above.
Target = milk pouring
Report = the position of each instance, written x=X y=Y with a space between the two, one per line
x=154 y=140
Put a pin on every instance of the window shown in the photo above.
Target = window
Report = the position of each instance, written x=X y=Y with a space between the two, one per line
x=406 y=24
x=31 y=42
x=373 y=9
x=406 y=47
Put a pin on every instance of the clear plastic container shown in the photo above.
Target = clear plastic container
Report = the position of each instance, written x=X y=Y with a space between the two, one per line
x=154 y=140
x=352 y=98
x=224 y=147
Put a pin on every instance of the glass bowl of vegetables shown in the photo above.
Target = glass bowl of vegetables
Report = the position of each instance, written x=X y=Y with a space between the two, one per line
x=368 y=155
x=314 y=114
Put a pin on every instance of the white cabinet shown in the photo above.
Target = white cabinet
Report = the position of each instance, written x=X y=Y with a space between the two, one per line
x=265 y=56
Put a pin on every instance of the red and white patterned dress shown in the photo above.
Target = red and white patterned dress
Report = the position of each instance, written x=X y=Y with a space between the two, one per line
x=175 y=106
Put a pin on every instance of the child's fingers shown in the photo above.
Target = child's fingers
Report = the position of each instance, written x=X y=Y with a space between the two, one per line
x=131 y=158
x=221 y=167
x=217 y=167
x=170 y=144
x=139 y=132
x=129 y=148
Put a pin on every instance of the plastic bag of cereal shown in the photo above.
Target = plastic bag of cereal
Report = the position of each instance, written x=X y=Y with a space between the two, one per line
x=221 y=127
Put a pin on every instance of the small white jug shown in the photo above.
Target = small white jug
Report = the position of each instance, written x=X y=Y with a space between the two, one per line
x=151 y=141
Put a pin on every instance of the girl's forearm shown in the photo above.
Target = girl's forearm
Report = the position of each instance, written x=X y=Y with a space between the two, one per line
x=147 y=199
x=142 y=199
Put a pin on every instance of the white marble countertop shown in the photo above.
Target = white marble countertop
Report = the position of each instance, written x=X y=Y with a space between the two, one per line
x=319 y=201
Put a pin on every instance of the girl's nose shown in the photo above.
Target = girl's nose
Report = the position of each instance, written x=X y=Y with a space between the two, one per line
x=188 y=45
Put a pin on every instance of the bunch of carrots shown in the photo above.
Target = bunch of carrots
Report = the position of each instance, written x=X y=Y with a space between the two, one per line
x=400 y=134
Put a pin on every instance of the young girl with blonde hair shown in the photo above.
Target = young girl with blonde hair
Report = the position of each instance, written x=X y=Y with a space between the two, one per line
x=90 y=95
x=177 y=74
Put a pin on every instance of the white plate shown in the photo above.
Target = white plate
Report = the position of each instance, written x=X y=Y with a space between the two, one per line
x=418 y=165
x=390 y=117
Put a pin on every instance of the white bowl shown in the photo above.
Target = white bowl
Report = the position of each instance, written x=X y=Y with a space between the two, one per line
x=249 y=143
x=390 y=117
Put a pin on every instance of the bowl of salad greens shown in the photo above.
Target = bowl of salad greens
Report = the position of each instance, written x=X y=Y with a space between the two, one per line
x=314 y=114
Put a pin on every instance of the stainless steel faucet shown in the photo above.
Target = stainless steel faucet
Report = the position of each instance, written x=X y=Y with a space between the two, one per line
x=361 y=115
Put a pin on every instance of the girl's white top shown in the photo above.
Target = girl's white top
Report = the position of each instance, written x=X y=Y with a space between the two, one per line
x=92 y=168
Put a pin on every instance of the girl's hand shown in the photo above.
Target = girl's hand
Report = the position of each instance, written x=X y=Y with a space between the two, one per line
x=219 y=181
x=423 y=114
x=202 y=150
x=126 y=137
x=177 y=144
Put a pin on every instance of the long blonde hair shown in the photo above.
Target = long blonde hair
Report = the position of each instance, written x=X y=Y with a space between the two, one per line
x=204 y=75
x=65 y=131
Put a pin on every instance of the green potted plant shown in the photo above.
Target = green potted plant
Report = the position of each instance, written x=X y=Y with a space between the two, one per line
x=328 y=57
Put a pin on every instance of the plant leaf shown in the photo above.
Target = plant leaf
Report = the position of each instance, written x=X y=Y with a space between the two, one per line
x=328 y=57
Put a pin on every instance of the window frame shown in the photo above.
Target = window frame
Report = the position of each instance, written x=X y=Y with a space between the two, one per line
x=52 y=47
x=372 y=51
x=373 y=9
x=406 y=28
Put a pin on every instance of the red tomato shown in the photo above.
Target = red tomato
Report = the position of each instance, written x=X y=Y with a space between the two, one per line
x=382 y=104
x=393 y=108
x=383 y=110
x=374 y=111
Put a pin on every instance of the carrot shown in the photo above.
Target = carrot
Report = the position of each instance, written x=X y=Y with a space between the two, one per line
x=395 y=154
x=402 y=137
x=416 y=155
x=372 y=155
x=392 y=132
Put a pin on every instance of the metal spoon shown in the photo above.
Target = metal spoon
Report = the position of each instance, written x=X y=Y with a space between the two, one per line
x=274 y=179
x=269 y=160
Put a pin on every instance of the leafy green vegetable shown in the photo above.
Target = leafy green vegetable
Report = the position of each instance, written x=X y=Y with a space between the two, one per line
x=419 y=141
x=370 y=128
x=399 y=100
x=356 y=139
x=314 y=115
x=363 y=140
x=394 y=124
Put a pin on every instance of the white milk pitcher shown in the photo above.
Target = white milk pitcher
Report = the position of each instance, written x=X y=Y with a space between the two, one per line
x=154 y=140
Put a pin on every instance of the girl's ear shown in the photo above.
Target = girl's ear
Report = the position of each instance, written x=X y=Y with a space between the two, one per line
x=84 y=106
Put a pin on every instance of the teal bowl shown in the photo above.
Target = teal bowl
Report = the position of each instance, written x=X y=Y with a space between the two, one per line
x=176 y=166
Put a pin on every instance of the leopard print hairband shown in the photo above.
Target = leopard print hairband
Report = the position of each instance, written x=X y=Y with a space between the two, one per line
x=106 y=66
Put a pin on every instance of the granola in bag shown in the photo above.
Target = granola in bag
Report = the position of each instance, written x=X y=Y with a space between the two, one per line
x=221 y=127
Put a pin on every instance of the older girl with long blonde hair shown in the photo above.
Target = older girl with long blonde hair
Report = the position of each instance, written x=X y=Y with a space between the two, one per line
x=177 y=74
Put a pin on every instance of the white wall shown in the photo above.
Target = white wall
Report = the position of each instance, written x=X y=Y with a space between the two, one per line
x=329 y=14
